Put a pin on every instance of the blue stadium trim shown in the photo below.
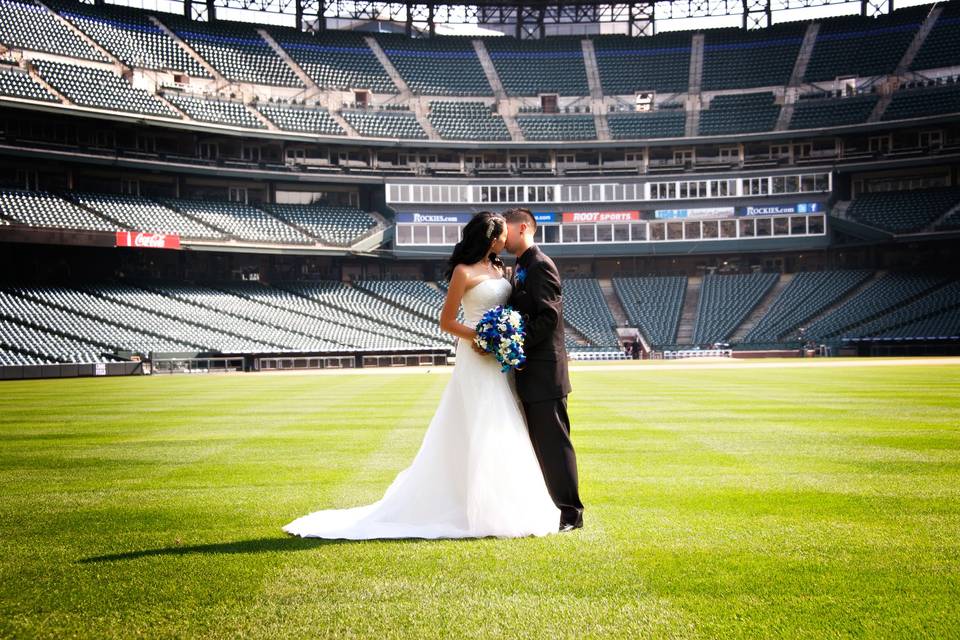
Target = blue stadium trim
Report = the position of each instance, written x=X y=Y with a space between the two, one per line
x=869 y=32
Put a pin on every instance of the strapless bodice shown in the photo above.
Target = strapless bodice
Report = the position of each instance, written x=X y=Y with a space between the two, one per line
x=482 y=297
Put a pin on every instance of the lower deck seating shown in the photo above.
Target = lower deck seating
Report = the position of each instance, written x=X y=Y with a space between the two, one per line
x=805 y=296
x=879 y=297
x=725 y=301
x=585 y=309
x=653 y=305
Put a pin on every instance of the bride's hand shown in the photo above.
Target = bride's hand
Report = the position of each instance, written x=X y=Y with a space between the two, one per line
x=477 y=348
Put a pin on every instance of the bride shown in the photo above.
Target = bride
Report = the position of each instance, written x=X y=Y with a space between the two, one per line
x=476 y=473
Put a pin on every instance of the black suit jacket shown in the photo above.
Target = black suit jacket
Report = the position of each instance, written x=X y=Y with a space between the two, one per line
x=538 y=299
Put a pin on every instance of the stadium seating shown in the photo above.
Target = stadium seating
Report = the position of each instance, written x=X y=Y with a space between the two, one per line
x=416 y=296
x=19 y=84
x=884 y=294
x=236 y=50
x=336 y=59
x=26 y=25
x=656 y=63
x=332 y=225
x=919 y=103
x=409 y=327
x=943 y=325
x=725 y=301
x=240 y=220
x=805 y=296
x=226 y=313
x=143 y=214
x=337 y=324
x=832 y=112
x=15 y=358
x=950 y=223
x=90 y=87
x=81 y=317
x=385 y=124
x=734 y=58
x=653 y=305
x=467 y=121
x=903 y=211
x=585 y=310
x=739 y=113
x=552 y=127
x=41 y=209
x=655 y=124
x=932 y=304
x=440 y=66
x=861 y=46
x=51 y=346
x=131 y=36
x=303 y=119
x=942 y=45
x=215 y=111
x=532 y=67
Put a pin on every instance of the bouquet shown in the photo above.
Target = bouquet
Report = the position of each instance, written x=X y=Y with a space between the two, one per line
x=500 y=332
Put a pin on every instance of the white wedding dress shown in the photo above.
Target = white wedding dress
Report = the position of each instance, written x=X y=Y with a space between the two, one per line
x=476 y=473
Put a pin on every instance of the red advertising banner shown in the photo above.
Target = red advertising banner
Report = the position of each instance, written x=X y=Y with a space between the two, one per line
x=148 y=240
x=600 y=216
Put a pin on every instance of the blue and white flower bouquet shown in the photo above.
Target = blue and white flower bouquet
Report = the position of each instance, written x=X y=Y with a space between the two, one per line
x=500 y=332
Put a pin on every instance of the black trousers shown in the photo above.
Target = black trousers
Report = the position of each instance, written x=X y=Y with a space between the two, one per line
x=549 y=429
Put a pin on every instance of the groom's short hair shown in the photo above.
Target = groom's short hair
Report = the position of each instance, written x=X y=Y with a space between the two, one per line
x=521 y=215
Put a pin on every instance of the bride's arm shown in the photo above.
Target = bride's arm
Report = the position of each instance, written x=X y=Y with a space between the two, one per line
x=448 y=315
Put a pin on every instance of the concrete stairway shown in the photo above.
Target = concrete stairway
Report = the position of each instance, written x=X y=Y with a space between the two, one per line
x=918 y=39
x=762 y=308
x=220 y=81
x=688 y=313
x=803 y=56
x=490 y=71
x=613 y=302
x=596 y=89
x=312 y=89
x=696 y=79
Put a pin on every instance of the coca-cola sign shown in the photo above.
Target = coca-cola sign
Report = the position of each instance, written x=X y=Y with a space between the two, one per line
x=148 y=240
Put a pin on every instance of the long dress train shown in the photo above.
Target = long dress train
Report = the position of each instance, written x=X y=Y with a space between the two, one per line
x=475 y=474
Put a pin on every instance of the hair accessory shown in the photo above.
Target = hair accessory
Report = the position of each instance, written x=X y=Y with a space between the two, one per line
x=491 y=225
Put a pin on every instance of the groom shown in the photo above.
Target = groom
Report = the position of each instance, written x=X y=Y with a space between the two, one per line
x=542 y=383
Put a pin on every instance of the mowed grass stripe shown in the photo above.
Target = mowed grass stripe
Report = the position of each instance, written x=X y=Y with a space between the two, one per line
x=784 y=502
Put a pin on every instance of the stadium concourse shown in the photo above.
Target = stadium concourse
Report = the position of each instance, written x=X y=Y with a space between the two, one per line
x=207 y=194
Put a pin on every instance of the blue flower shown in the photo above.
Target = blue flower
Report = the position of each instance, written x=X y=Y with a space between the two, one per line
x=500 y=331
x=521 y=275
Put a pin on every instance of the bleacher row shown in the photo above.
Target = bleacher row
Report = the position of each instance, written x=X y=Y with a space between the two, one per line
x=197 y=219
x=468 y=120
x=94 y=322
x=734 y=59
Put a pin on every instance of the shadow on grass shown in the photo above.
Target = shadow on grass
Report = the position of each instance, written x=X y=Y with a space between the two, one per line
x=259 y=545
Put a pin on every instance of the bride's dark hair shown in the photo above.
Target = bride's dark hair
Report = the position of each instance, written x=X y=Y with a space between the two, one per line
x=477 y=236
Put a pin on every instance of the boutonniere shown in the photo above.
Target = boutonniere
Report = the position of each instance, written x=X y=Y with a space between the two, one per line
x=521 y=275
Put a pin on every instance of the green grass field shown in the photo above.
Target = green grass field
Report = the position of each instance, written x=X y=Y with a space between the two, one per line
x=741 y=502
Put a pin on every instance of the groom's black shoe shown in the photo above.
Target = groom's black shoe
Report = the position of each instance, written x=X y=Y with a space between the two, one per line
x=569 y=526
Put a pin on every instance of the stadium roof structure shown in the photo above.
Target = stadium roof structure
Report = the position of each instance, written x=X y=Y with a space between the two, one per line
x=525 y=19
